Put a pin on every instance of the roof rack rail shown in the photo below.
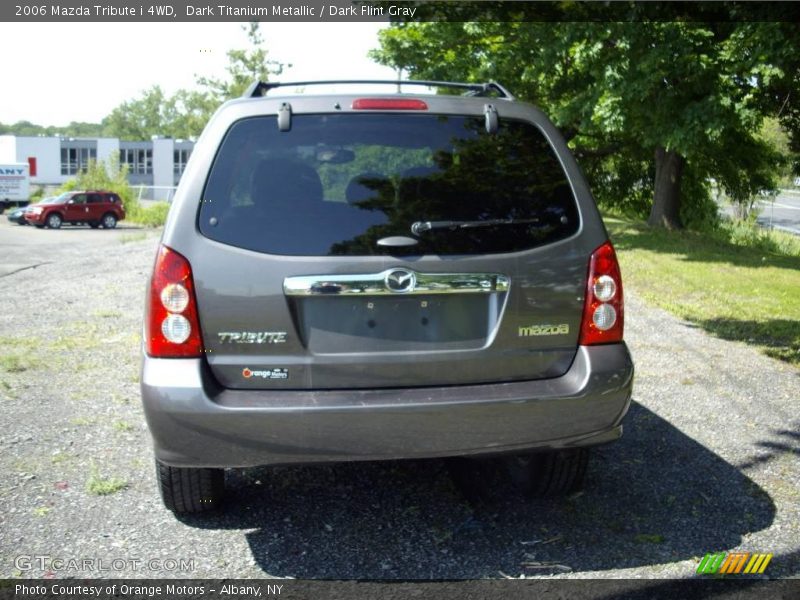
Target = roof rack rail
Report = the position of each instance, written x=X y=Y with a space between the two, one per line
x=260 y=88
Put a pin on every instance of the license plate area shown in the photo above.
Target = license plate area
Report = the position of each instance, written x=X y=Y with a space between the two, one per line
x=339 y=325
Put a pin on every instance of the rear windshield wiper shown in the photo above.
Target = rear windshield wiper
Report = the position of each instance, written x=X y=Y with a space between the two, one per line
x=421 y=226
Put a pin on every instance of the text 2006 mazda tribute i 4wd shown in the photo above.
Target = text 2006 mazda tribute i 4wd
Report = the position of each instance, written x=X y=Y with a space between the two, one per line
x=381 y=276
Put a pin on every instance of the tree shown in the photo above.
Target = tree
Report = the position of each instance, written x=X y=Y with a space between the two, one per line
x=140 y=118
x=664 y=104
x=779 y=89
x=244 y=67
x=74 y=129
x=101 y=175
x=185 y=113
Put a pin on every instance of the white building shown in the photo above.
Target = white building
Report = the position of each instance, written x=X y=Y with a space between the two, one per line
x=157 y=164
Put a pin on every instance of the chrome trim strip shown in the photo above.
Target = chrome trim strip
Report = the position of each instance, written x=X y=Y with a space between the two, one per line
x=375 y=284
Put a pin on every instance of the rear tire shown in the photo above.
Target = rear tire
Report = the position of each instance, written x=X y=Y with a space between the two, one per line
x=550 y=473
x=54 y=221
x=188 y=491
x=109 y=221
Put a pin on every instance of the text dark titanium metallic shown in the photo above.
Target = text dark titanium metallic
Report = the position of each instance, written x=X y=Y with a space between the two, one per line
x=364 y=276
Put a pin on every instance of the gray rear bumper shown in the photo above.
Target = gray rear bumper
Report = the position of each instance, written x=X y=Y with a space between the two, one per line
x=195 y=422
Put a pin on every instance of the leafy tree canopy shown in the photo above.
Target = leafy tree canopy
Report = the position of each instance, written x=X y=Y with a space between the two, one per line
x=74 y=129
x=653 y=109
x=184 y=114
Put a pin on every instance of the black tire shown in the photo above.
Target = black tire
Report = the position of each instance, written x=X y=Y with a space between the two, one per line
x=54 y=221
x=109 y=221
x=550 y=473
x=94 y=224
x=189 y=491
x=39 y=226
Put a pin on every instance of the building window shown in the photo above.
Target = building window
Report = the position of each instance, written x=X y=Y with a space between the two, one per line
x=138 y=160
x=75 y=160
x=179 y=160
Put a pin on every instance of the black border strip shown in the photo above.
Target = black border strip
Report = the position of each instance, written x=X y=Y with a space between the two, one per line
x=293 y=589
x=106 y=11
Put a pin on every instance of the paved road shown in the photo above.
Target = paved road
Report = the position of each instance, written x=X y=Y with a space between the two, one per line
x=26 y=247
x=783 y=213
x=708 y=462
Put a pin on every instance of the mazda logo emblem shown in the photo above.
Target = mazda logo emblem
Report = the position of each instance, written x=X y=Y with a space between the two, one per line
x=400 y=281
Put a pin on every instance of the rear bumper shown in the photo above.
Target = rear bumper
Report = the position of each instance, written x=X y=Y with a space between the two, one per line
x=196 y=423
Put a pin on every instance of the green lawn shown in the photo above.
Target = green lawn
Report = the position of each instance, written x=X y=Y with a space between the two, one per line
x=733 y=292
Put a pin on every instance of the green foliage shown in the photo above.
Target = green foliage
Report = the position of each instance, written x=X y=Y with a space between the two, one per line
x=369 y=159
x=74 y=129
x=37 y=194
x=692 y=275
x=699 y=211
x=747 y=233
x=110 y=176
x=620 y=89
x=185 y=113
x=773 y=134
x=113 y=176
x=244 y=67
x=154 y=215
x=140 y=118
x=99 y=485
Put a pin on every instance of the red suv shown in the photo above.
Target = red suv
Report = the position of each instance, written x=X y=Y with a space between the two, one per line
x=94 y=208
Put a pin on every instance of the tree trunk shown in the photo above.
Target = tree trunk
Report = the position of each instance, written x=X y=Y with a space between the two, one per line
x=666 y=211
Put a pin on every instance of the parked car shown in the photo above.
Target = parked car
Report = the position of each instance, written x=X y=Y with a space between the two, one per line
x=95 y=208
x=381 y=277
x=18 y=215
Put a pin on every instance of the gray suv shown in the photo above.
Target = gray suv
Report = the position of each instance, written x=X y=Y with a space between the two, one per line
x=381 y=276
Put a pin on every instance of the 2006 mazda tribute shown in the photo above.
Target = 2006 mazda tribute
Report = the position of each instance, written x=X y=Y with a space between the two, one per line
x=381 y=276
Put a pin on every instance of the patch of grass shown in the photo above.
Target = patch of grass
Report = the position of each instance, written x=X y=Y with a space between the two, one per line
x=16 y=354
x=153 y=215
x=749 y=234
x=732 y=291
x=133 y=237
x=24 y=343
x=81 y=421
x=119 y=398
x=41 y=511
x=59 y=458
x=107 y=314
x=122 y=426
x=15 y=363
x=6 y=388
x=67 y=343
x=99 y=485
x=648 y=538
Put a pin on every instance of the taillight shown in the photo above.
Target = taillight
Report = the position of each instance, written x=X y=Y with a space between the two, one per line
x=172 y=328
x=388 y=104
x=603 y=312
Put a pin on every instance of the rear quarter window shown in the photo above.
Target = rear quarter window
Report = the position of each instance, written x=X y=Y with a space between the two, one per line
x=336 y=184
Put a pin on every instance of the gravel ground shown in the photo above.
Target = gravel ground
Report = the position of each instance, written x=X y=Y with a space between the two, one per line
x=708 y=462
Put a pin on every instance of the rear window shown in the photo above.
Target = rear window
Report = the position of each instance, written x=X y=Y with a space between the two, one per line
x=338 y=184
